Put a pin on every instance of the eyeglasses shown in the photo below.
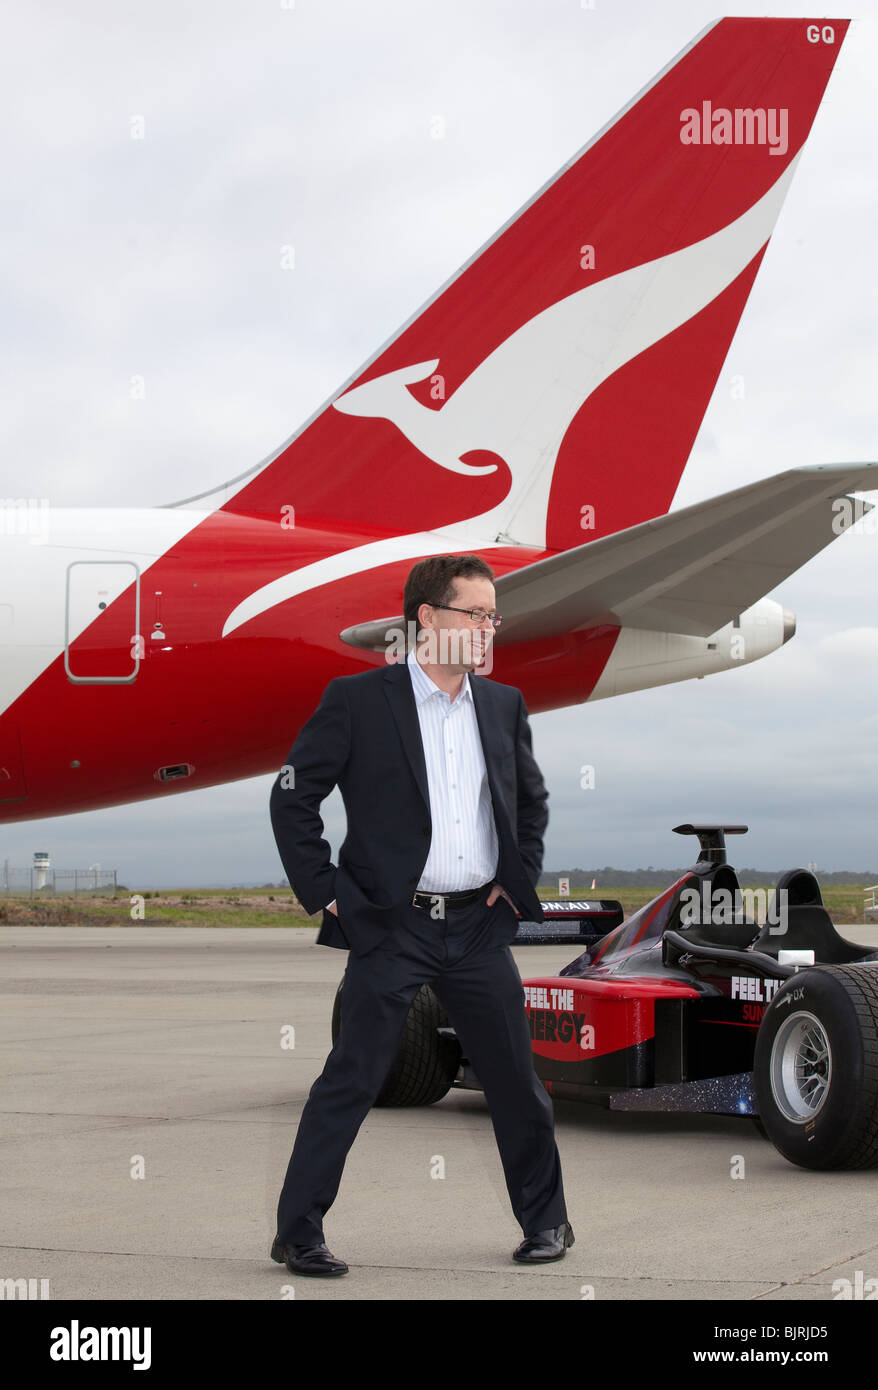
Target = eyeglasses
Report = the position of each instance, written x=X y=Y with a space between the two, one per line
x=476 y=615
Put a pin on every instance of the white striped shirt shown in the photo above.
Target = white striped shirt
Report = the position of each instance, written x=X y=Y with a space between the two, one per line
x=464 y=847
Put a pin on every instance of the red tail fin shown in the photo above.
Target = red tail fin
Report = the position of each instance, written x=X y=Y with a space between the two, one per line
x=568 y=365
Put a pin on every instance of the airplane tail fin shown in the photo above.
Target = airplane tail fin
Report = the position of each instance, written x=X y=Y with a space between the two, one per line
x=555 y=385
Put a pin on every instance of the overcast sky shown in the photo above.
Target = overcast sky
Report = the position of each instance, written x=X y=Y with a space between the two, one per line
x=309 y=124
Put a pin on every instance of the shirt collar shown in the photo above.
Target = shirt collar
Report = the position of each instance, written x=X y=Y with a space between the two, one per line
x=424 y=687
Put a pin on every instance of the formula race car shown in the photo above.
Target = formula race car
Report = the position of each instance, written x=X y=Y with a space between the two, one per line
x=691 y=1005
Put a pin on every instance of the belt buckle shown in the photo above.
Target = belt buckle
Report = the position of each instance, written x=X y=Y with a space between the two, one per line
x=432 y=896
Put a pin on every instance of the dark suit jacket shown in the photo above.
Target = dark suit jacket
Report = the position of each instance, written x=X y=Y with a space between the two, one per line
x=365 y=736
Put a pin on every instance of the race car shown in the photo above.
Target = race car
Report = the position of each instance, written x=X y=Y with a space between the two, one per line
x=692 y=1005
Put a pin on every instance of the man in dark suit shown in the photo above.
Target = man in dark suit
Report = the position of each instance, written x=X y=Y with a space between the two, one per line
x=446 y=810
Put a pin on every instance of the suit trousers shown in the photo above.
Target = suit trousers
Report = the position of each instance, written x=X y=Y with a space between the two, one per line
x=471 y=969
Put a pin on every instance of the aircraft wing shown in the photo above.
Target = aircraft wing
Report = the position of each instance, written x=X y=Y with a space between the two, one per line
x=693 y=570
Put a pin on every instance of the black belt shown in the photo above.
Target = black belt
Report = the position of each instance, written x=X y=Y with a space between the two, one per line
x=449 y=900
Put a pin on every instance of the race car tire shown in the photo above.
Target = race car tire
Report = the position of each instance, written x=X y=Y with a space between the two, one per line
x=426 y=1061
x=815 y=1069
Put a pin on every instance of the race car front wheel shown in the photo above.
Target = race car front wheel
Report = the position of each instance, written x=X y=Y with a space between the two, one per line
x=816 y=1068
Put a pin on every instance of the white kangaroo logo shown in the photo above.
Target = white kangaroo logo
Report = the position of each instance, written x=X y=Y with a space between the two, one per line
x=519 y=402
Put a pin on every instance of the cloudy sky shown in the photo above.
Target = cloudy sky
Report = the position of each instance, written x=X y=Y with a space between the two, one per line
x=309 y=124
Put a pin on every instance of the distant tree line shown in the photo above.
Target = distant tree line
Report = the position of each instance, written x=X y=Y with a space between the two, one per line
x=634 y=878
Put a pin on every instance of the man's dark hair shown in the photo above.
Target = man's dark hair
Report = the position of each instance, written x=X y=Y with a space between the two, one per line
x=432 y=581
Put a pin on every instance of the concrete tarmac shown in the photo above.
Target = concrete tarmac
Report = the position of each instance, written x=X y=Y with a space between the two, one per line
x=149 y=1105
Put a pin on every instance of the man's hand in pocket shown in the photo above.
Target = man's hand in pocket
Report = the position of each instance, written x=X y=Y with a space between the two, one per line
x=497 y=892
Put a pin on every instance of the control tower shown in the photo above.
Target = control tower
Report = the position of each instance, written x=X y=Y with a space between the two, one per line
x=42 y=866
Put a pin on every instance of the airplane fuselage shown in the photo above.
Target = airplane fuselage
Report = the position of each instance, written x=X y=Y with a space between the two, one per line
x=117 y=684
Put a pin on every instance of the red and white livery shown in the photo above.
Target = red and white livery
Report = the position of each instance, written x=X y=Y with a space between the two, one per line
x=539 y=411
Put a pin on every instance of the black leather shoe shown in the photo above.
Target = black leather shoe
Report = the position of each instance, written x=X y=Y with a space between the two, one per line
x=545 y=1245
x=307 y=1259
